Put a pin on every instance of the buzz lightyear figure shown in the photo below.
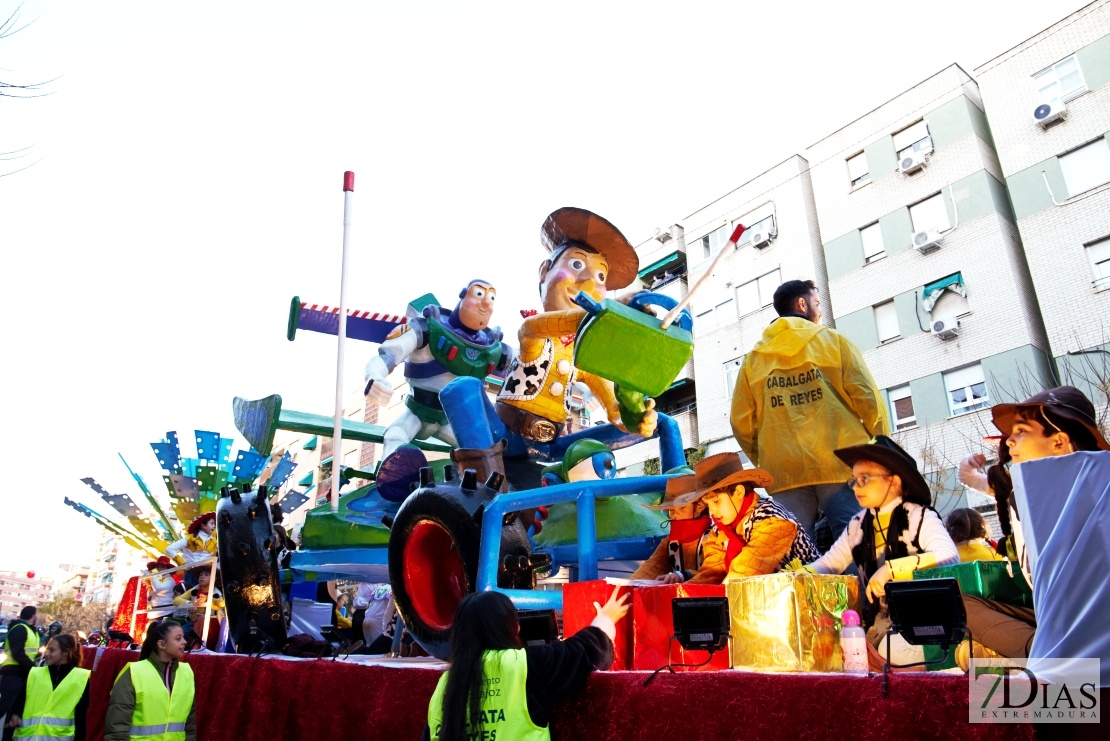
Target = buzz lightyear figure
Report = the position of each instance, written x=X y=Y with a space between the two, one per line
x=436 y=349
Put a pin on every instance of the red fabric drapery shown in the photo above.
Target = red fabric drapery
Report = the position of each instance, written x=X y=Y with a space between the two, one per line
x=242 y=698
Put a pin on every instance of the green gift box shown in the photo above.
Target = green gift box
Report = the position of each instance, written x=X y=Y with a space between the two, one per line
x=1001 y=581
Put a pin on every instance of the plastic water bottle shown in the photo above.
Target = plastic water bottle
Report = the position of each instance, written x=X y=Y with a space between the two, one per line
x=853 y=644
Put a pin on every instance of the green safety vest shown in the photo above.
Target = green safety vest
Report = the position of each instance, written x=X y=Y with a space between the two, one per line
x=30 y=646
x=159 y=715
x=48 y=710
x=504 y=704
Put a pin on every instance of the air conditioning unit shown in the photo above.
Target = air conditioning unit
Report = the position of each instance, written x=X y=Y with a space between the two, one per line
x=663 y=235
x=1050 y=112
x=926 y=241
x=946 y=328
x=911 y=163
x=761 y=238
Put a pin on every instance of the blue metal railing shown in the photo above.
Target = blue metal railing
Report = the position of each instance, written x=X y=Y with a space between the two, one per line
x=583 y=494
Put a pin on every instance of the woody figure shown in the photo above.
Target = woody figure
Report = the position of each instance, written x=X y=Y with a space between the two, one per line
x=588 y=254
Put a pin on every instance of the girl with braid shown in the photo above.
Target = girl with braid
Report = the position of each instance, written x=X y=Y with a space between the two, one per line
x=896 y=532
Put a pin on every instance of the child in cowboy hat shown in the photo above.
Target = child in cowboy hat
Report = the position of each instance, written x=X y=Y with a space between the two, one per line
x=198 y=545
x=749 y=535
x=678 y=552
x=896 y=532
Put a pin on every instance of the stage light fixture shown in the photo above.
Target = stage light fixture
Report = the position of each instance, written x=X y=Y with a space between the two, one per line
x=537 y=627
x=925 y=612
x=701 y=623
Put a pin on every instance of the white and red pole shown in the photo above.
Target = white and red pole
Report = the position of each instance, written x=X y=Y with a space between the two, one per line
x=337 y=431
x=728 y=247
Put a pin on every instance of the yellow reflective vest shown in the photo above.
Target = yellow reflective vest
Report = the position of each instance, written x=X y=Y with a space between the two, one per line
x=30 y=645
x=803 y=391
x=504 y=703
x=48 y=710
x=160 y=715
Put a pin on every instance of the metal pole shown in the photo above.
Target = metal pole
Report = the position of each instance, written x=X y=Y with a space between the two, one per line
x=208 y=603
x=337 y=432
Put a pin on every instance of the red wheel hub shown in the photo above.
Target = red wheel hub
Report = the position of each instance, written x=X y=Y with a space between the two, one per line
x=435 y=578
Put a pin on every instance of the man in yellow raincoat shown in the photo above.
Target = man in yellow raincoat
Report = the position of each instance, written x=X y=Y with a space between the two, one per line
x=802 y=392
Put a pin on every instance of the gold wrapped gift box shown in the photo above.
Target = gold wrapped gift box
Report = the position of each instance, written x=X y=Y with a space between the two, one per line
x=789 y=622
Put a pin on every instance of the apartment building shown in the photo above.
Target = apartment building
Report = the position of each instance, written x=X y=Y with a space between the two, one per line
x=926 y=271
x=733 y=306
x=20 y=589
x=115 y=563
x=1048 y=100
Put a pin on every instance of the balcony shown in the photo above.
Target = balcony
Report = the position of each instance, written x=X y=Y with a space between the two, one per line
x=687 y=419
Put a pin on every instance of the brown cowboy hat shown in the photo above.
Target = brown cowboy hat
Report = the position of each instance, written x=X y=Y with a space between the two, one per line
x=571 y=224
x=1065 y=401
x=676 y=486
x=721 y=470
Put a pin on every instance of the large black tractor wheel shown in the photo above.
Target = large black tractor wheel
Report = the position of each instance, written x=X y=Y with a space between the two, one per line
x=434 y=544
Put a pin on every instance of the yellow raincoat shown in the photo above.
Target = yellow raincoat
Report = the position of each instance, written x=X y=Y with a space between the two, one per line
x=802 y=392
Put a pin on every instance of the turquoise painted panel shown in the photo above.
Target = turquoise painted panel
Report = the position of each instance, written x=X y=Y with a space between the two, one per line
x=910 y=320
x=1017 y=374
x=897 y=229
x=844 y=254
x=1094 y=60
x=930 y=400
x=860 y=328
x=1028 y=193
x=977 y=195
x=882 y=160
x=950 y=122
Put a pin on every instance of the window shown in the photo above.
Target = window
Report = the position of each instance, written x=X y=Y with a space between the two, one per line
x=913 y=139
x=886 y=320
x=732 y=372
x=967 y=390
x=719 y=316
x=901 y=408
x=765 y=225
x=757 y=294
x=929 y=214
x=1099 y=252
x=1063 y=80
x=858 y=173
x=711 y=243
x=873 y=248
x=1086 y=167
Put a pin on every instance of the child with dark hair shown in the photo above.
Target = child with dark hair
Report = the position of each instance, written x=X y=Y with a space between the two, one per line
x=896 y=532
x=154 y=696
x=496 y=685
x=968 y=530
x=1055 y=422
x=56 y=699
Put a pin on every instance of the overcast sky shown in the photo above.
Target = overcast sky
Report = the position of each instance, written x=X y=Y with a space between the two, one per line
x=186 y=182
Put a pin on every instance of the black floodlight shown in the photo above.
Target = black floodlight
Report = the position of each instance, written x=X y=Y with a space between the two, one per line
x=537 y=627
x=927 y=612
x=701 y=623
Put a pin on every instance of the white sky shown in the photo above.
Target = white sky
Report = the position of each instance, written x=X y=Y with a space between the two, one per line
x=188 y=174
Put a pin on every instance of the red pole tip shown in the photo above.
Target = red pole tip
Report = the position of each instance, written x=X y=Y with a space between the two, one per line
x=348 y=181
x=737 y=232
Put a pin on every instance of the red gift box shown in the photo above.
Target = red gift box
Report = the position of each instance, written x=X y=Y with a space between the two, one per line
x=653 y=643
x=579 y=612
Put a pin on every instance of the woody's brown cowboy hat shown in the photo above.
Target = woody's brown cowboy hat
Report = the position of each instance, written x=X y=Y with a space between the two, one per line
x=1064 y=401
x=676 y=487
x=571 y=226
x=720 y=471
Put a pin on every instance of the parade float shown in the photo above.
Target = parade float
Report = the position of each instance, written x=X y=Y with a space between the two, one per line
x=515 y=499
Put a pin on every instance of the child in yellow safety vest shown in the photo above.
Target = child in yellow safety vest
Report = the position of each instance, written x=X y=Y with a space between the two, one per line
x=154 y=697
x=56 y=699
